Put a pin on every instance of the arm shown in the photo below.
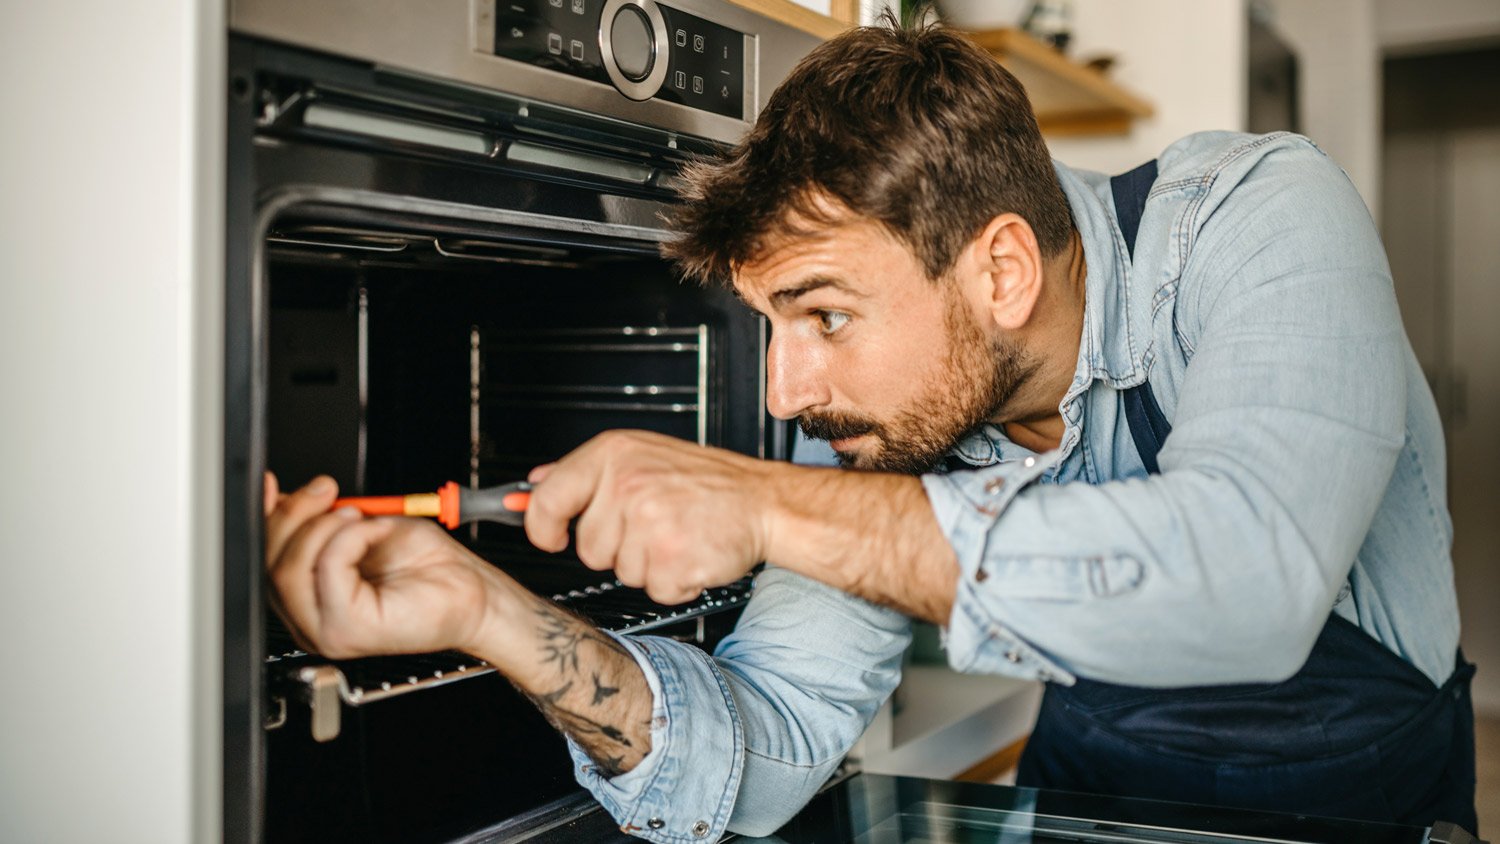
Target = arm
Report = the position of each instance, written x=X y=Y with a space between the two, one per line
x=660 y=729
x=743 y=739
x=676 y=518
x=350 y=587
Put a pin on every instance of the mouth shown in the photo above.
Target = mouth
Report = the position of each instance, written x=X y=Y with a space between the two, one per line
x=847 y=444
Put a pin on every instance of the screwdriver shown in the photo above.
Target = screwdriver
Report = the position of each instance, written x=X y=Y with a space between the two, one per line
x=452 y=505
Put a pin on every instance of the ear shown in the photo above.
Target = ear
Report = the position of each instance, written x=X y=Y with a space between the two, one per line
x=1007 y=270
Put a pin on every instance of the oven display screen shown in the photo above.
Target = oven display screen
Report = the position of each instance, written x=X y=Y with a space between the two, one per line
x=705 y=61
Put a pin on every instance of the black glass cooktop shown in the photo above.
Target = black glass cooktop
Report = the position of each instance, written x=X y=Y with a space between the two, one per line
x=874 y=809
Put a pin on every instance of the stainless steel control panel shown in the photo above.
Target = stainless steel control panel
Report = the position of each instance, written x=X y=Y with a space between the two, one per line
x=697 y=67
x=645 y=49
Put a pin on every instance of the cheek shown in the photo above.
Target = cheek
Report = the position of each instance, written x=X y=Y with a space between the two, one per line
x=889 y=371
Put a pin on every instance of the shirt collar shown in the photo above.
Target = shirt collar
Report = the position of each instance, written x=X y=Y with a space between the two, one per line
x=1108 y=348
x=1112 y=348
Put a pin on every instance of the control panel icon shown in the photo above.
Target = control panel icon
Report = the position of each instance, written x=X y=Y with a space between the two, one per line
x=680 y=38
x=697 y=43
x=697 y=84
x=554 y=43
x=578 y=7
x=680 y=80
x=577 y=50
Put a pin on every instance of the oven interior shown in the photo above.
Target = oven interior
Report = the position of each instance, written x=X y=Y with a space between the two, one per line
x=404 y=351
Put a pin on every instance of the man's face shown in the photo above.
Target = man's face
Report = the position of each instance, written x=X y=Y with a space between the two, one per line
x=891 y=368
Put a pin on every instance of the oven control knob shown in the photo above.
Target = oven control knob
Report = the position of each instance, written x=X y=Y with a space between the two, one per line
x=631 y=38
x=633 y=42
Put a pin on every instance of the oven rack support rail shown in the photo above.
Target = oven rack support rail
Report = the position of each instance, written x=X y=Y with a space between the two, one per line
x=325 y=688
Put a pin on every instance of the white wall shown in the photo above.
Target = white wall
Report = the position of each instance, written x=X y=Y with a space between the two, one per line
x=1187 y=58
x=1417 y=25
x=1338 y=56
x=109 y=322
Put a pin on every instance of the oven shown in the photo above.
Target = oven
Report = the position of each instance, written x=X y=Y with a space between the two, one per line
x=442 y=265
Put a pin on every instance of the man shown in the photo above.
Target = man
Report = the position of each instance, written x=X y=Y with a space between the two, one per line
x=1159 y=442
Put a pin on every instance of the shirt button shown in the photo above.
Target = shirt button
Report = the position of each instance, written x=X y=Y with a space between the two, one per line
x=1013 y=655
x=700 y=828
x=1029 y=462
x=994 y=485
x=656 y=823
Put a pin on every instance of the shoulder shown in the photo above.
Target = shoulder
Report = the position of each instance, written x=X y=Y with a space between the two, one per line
x=1204 y=159
x=1246 y=186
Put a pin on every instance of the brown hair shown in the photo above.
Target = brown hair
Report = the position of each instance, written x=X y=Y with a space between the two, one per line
x=915 y=128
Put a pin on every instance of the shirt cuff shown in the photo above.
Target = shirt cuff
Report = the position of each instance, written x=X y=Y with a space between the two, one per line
x=684 y=789
x=967 y=505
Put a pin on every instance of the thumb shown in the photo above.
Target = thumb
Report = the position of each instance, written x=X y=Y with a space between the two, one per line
x=272 y=493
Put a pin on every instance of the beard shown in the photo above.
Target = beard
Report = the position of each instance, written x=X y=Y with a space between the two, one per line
x=978 y=378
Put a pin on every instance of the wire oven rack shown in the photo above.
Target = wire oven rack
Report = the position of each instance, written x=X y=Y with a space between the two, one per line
x=325 y=685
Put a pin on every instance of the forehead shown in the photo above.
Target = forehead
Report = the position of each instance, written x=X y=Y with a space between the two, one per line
x=859 y=255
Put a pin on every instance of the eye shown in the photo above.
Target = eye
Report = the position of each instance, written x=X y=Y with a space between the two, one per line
x=831 y=321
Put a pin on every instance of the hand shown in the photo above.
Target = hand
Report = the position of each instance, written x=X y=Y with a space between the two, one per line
x=667 y=515
x=350 y=586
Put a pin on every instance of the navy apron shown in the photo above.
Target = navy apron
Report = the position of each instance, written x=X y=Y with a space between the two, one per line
x=1357 y=733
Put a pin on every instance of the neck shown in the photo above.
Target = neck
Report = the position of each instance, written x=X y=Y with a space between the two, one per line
x=1032 y=419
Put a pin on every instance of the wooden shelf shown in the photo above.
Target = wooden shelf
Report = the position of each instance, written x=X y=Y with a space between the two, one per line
x=1069 y=98
x=804 y=18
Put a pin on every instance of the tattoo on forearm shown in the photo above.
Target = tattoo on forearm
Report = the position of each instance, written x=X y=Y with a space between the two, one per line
x=601 y=691
x=577 y=651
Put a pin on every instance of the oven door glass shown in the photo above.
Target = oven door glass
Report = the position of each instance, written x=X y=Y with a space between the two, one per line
x=875 y=809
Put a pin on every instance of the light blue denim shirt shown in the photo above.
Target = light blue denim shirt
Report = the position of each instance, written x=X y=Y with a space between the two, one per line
x=1304 y=474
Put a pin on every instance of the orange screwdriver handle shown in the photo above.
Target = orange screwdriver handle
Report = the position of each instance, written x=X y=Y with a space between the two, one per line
x=375 y=505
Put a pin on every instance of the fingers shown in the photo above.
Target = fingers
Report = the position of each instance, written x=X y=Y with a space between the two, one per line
x=567 y=491
x=293 y=570
x=292 y=511
x=599 y=531
x=272 y=493
x=339 y=587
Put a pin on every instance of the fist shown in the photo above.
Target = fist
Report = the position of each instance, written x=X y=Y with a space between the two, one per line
x=668 y=516
x=349 y=586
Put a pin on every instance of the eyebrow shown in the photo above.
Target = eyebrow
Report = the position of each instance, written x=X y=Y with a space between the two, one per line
x=781 y=298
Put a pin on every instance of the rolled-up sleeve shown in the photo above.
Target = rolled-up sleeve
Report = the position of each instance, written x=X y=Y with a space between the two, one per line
x=741 y=740
x=1289 y=418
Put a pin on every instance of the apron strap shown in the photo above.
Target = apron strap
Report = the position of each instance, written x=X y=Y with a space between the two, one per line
x=1148 y=425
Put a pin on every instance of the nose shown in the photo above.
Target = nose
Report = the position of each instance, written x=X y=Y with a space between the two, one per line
x=795 y=378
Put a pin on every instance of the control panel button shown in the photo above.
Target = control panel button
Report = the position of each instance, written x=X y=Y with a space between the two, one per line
x=633 y=44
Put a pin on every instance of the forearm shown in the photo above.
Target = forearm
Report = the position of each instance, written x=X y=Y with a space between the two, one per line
x=872 y=535
x=582 y=680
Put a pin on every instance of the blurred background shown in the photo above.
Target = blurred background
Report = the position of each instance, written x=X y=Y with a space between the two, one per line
x=112 y=340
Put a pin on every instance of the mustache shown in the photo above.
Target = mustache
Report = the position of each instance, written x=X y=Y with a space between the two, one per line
x=835 y=426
